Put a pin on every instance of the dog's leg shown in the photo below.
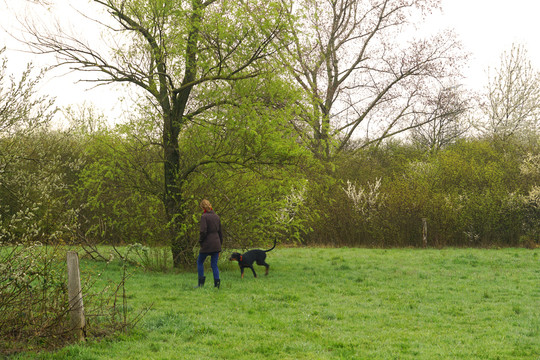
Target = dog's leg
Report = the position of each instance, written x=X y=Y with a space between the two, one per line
x=252 y=269
x=242 y=271
x=261 y=262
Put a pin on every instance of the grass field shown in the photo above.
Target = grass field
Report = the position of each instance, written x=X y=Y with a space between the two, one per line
x=337 y=304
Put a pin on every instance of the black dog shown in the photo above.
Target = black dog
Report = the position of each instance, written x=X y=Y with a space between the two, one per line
x=246 y=260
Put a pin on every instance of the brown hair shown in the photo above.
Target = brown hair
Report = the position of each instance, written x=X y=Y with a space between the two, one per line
x=205 y=205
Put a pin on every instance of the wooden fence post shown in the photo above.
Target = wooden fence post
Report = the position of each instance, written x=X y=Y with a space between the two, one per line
x=424 y=231
x=76 y=308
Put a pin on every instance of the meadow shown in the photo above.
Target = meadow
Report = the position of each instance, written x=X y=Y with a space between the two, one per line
x=323 y=303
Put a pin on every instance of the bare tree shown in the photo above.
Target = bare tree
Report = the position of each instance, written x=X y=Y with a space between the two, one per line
x=361 y=75
x=185 y=56
x=512 y=99
x=447 y=122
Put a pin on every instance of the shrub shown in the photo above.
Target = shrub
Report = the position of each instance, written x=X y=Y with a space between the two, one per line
x=471 y=193
x=34 y=304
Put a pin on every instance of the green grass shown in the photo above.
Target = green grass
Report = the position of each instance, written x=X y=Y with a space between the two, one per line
x=337 y=304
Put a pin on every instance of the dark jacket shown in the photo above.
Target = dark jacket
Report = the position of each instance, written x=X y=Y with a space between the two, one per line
x=211 y=237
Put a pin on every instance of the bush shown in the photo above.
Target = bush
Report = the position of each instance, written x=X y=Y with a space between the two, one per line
x=33 y=296
x=34 y=186
x=116 y=193
x=34 y=304
x=471 y=194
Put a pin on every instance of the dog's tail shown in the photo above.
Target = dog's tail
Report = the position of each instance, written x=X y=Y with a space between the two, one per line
x=272 y=248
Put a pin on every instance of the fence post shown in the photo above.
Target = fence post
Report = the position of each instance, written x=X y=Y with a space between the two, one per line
x=76 y=308
x=424 y=231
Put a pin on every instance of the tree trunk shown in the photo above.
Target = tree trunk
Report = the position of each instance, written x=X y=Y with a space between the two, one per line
x=181 y=248
x=182 y=252
x=173 y=199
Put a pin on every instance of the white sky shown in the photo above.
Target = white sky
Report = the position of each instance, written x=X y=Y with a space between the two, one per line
x=486 y=28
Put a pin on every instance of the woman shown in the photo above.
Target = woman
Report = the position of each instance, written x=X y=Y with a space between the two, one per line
x=210 y=240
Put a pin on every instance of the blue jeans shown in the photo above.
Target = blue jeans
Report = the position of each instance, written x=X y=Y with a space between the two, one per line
x=213 y=263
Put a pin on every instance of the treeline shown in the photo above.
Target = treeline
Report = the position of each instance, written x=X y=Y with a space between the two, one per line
x=105 y=187
x=473 y=193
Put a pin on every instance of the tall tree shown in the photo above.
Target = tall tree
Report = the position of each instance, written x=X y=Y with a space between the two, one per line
x=512 y=98
x=363 y=73
x=190 y=58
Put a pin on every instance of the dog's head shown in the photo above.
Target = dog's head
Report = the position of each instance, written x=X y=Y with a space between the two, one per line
x=235 y=257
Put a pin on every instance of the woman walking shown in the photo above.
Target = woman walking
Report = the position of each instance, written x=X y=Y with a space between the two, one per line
x=210 y=240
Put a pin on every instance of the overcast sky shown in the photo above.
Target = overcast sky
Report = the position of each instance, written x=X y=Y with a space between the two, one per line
x=486 y=28
x=489 y=27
